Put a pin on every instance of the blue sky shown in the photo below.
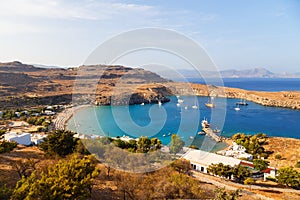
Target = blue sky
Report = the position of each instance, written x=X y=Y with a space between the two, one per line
x=236 y=34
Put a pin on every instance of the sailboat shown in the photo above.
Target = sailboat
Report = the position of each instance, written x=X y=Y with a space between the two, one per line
x=210 y=103
x=242 y=102
x=159 y=103
x=195 y=105
x=142 y=104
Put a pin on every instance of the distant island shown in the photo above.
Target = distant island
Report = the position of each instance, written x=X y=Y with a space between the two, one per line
x=257 y=72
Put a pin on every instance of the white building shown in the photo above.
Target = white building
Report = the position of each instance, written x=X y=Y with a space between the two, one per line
x=23 y=138
x=49 y=112
x=237 y=151
x=201 y=160
x=37 y=138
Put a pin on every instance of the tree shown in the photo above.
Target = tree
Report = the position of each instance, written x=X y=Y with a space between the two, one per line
x=183 y=187
x=69 y=179
x=143 y=145
x=59 y=143
x=6 y=146
x=289 y=177
x=155 y=144
x=221 y=170
x=240 y=173
x=260 y=164
x=176 y=144
x=221 y=194
x=182 y=166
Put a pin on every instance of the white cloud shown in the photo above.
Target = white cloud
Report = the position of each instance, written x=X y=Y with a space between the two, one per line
x=88 y=9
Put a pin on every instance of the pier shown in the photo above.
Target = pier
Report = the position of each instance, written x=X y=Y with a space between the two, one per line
x=210 y=133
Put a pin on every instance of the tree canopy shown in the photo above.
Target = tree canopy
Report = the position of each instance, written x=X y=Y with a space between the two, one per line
x=289 y=177
x=69 y=179
x=176 y=144
x=59 y=143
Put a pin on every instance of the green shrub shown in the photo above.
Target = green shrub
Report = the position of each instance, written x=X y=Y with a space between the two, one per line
x=271 y=179
x=6 y=146
x=249 y=181
x=278 y=156
x=297 y=164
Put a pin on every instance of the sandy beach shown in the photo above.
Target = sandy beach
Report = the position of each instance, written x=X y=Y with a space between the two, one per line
x=63 y=117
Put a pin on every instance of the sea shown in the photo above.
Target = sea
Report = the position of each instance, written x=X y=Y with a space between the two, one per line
x=153 y=120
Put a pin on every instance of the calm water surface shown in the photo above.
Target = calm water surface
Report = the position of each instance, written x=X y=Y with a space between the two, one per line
x=156 y=121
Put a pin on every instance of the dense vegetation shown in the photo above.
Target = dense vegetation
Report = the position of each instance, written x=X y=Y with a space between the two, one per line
x=289 y=177
x=59 y=143
x=240 y=173
x=6 y=146
x=142 y=145
x=176 y=144
x=252 y=143
x=69 y=179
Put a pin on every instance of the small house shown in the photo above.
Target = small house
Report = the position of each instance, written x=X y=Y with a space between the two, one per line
x=23 y=138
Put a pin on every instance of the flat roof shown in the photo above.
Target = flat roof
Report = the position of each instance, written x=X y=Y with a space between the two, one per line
x=207 y=158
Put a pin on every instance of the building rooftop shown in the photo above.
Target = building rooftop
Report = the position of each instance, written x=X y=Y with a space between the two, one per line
x=207 y=158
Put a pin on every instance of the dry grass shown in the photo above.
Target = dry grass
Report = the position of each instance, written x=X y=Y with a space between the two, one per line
x=288 y=148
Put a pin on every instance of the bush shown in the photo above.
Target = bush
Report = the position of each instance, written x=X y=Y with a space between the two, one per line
x=5 y=192
x=249 y=181
x=297 y=164
x=271 y=179
x=278 y=156
x=6 y=146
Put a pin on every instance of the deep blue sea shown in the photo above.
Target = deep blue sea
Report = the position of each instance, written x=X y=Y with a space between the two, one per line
x=161 y=121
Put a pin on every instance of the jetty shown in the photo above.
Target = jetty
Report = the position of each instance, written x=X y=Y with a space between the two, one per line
x=208 y=131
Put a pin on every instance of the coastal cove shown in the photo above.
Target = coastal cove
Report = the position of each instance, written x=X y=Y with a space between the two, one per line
x=147 y=120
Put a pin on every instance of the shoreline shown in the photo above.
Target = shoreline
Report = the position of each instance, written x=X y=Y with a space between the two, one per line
x=63 y=117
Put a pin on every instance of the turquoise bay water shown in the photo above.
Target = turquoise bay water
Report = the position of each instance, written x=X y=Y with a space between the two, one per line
x=155 y=121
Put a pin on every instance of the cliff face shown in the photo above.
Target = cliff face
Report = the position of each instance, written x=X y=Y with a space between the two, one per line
x=25 y=85
x=285 y=99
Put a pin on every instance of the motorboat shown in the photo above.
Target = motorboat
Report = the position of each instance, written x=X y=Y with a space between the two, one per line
x=242 y=103
x=210 y=103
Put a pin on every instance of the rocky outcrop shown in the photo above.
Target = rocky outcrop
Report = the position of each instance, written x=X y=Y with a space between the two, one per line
x=285 y=99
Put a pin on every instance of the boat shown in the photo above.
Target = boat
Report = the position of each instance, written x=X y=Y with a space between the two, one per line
x=191 y=137
x=242 y=103
x=142 y=104
x=195 y=105
x=210 y=103
x=159 y=103
x=180 y=100
x=178 y=104
x=201 y=133
x=169 y=133
x=164 y=135
x=205 y=123
x=185 y=107
x=216 y=130
x=237 y=108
